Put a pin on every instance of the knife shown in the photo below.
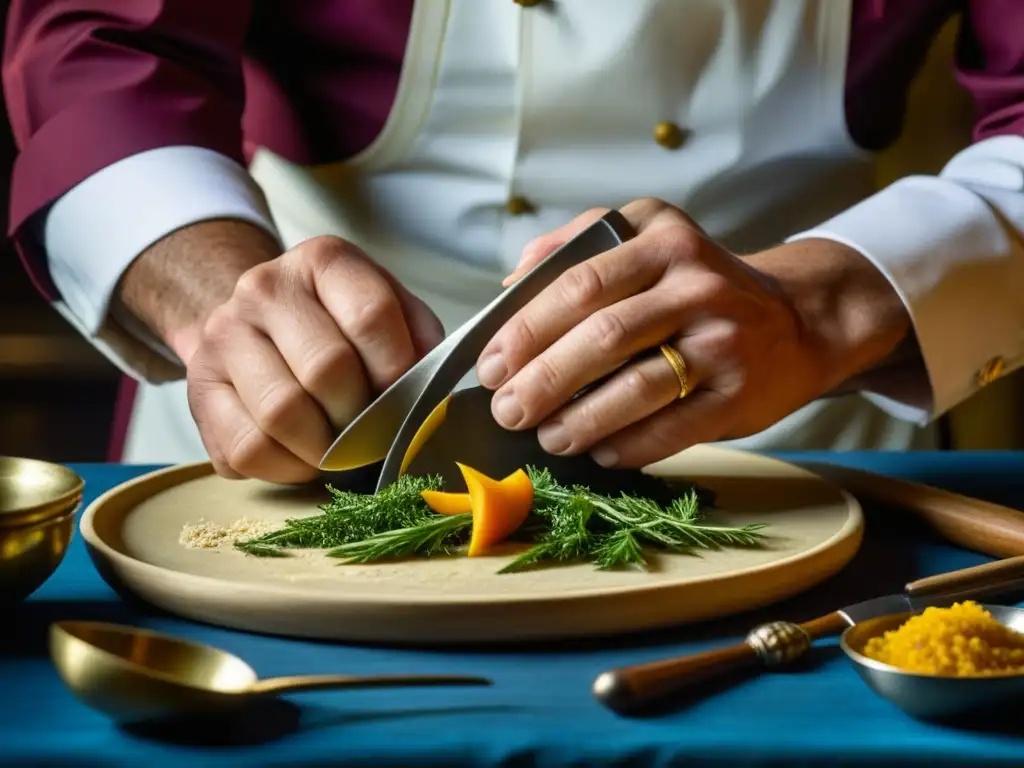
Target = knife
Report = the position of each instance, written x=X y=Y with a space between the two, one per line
x=769 y=646
x=387 y=428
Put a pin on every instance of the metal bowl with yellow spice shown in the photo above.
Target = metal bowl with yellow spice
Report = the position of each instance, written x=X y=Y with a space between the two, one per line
x=943 y=663
x=964 y=640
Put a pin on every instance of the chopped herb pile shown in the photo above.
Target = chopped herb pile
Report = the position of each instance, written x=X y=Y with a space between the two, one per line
x=566 y=525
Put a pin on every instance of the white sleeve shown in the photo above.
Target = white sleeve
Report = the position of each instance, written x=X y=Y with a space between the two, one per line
x=952 y=247
x=93 y=233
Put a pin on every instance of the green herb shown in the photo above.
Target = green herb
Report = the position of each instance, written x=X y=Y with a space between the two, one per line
x=436 y=535
x=610 y=532
x=351 y=517
x=567 y=524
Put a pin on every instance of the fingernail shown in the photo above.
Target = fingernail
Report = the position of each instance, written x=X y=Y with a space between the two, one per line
x=492 y=371
x=605 y=456
x=507 y=409
x=554 y=437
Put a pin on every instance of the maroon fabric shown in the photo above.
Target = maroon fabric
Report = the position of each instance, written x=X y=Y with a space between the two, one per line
x=89 y=82
x=123 y=407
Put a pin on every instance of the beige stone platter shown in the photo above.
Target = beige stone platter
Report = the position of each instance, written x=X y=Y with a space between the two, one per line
x=133 y=530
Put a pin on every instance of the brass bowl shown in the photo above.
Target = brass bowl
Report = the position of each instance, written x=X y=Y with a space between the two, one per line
x=32 y=491
x=29 y=554
x=38 y=502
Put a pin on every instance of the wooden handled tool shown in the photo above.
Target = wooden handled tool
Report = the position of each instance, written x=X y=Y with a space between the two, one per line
x=978 y=525
x=974 y=524
x=632 y=689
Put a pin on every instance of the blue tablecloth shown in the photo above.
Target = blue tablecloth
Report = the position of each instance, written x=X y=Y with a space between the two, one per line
x=540 y=710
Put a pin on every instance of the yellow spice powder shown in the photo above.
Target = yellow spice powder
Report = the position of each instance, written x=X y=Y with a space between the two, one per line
x=961 y=641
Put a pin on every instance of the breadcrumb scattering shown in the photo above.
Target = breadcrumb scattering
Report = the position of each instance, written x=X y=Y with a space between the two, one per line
x=963 y=640
x=207 y=535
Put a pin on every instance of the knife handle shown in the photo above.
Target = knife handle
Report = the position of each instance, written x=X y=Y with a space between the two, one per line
x=988 y=578
x=978 y=525
x=631 y=689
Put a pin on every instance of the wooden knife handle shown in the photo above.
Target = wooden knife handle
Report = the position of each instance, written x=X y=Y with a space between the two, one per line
x=988 y=578
x=982 y=526
x=630 y=689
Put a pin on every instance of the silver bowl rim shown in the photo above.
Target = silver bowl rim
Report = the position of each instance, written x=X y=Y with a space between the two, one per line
x=879 y=666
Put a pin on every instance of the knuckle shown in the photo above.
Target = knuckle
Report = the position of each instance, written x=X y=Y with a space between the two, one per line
x=583 y=424
x=318 y=256
x=319 y=247
x=678 y=242
x=723 y=342
x=581 y=286
x=326 y=366
x=369 y=318
x=546 y=377
x=609 y=331
x=324 y=250
x=708 y=287
x=652 y=203
x=637 y=382
x=739 y=383
x=645 y=207
x=245 y=450
x=221 y=323
x=278 y=407
x=516 y=338
x=257 y=284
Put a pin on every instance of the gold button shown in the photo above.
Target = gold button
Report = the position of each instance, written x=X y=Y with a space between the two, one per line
x=991 y=371
x=527 y=3
x=517 y=206
x=669 y=135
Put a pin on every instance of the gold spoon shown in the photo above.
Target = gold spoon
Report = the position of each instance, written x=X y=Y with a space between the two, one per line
x=134 y=675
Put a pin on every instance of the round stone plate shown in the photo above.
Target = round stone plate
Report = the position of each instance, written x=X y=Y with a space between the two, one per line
x=133 y=531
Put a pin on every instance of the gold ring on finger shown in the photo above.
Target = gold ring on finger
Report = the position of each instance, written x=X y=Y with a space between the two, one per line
x=679 y=367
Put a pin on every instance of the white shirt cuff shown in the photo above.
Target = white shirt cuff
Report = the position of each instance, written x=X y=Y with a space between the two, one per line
x=93 y=233
x=951 y=246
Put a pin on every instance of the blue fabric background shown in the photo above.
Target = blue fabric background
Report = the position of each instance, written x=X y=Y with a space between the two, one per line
x=540 y=710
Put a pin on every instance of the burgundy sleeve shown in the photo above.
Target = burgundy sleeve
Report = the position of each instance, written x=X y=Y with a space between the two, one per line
x=91 y=82
x=991 y=65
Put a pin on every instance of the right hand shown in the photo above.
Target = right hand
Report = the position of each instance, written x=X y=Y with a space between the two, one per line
x=302 y=346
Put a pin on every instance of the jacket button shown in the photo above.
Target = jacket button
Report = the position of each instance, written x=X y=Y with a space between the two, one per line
x=517 y=206
x=669 y=135
x=991 y=371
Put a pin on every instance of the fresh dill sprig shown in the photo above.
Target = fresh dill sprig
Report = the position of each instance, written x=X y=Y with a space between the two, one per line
x=611 y=531
x=567 y=524
x=351 y=517
x=437 y=535
x=621 y=547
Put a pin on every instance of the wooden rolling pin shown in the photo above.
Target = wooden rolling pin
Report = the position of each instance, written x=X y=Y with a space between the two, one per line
x=974 y=524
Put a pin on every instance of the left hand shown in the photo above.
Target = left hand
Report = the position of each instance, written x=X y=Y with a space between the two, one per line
x=751 y=356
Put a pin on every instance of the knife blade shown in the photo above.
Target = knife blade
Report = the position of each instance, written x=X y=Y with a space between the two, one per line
x=776 y=644
x=386 y=428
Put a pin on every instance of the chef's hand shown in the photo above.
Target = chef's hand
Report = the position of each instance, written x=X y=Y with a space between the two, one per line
x=303 y=345
x=294 y=348
x=761 y=336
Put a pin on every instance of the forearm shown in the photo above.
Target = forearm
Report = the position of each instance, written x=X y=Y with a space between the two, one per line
x=174 y=285
x=852 y=317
